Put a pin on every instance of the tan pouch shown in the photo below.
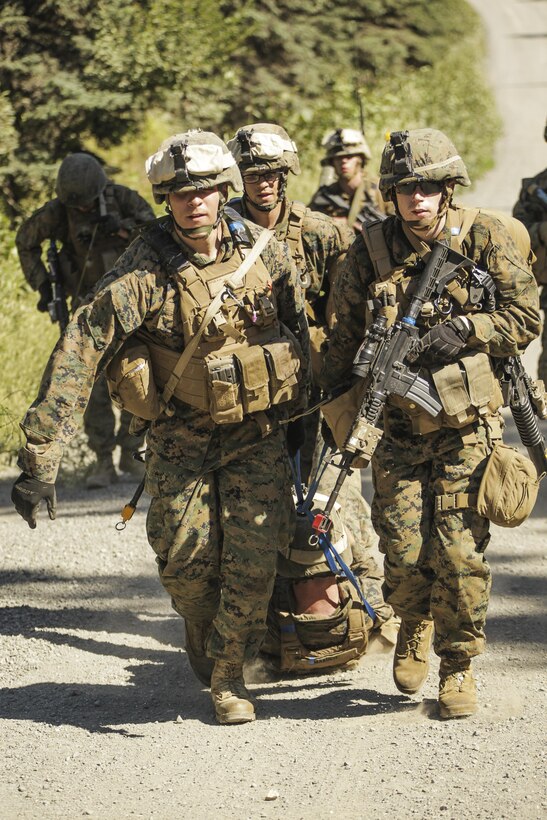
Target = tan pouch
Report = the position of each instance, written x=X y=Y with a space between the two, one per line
x=255 y=392
x=467 y=389
x=130 y=381
x=224 y=393
x=509 y=487
x=283 y=366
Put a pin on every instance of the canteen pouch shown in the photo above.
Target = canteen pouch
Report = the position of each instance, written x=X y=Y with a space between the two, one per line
x=130 y=381
x=509 y=487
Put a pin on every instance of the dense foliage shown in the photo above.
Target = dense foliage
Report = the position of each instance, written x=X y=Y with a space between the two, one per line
x=74 y=72
x=118 y=76
x=71 y=70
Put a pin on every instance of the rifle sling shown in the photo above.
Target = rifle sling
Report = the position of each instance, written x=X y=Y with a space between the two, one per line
x=356 y=203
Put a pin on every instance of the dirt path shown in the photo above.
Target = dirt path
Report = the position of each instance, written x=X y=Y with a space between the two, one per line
x=100 y=715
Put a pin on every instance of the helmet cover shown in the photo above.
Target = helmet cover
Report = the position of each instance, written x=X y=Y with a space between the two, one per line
x=193 y=160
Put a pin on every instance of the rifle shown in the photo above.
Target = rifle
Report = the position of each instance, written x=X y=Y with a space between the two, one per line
x=381 y=360
x=57 y=307
x=370 y=214
x=367 y=214
x=527 y=403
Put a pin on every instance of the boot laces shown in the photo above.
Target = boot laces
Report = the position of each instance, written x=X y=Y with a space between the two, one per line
x=415 y=638
x=231 y=682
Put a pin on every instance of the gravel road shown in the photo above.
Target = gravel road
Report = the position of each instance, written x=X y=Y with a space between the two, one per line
x=100 y=715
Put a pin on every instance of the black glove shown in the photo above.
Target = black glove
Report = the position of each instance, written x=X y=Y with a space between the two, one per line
x=27 y=495
x=296 y=436
x=326 y=434
x=46 y=295
x=109 y=224
x=442 y=344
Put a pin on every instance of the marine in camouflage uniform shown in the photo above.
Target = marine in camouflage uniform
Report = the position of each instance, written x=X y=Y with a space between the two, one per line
x=434 y=546
x=220 y=490
x=265 y=155
x=531 y=209
x=94 y=220
x=353 y=197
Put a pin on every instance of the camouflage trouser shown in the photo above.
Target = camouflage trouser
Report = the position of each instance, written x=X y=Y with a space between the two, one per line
x=100 y=423
x=542 y=363
x=434 y=563
x=356 y=517
x=216 y=538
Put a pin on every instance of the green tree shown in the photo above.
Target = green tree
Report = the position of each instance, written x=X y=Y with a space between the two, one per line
x=72 y=70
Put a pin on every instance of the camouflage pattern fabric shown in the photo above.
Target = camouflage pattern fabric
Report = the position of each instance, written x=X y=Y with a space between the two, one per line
x=531 y=209
x=74 y=230
x=100 y=423
x=325 y=245
x=422 y=550
x=216 y=539
x=434 y=562
x=136 y=293
x=77 y=231
x=322 y=202
x=193 y=465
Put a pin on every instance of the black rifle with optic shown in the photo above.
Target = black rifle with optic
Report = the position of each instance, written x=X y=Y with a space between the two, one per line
x=381 y=361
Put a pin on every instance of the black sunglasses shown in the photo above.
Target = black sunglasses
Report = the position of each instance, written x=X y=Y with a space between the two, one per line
x=426 y=186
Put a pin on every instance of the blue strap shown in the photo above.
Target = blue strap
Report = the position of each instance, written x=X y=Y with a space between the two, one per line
x=336 y=563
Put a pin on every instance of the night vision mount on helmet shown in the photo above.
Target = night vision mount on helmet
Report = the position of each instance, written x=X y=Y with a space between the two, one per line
x=262 y=147
x=422 y=154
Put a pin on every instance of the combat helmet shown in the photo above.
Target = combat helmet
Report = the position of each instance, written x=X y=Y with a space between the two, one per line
x=262 y=147
x=80 y=180
x=425 y=153
x=193 y=160
x=345 y=142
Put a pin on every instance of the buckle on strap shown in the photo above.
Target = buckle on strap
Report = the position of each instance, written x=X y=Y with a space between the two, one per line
x=455 y=501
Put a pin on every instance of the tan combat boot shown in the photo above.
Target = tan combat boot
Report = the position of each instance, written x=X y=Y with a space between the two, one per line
x=102 y=474
x=411 y=660
x=231 y=699
x=457 y=690
x=196 y=634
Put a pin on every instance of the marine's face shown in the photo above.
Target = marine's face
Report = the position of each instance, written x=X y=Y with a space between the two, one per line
x=195 y=209
x=262 y=189
x=348 y=166
x=86 y=209
x=417 y=207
